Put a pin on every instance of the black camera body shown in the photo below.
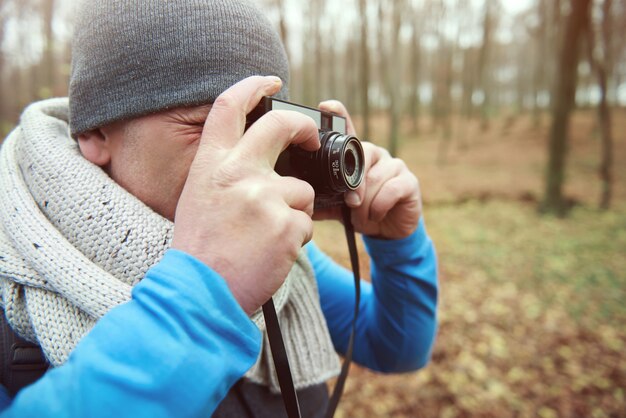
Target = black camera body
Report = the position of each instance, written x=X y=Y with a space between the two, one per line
x=335 y=168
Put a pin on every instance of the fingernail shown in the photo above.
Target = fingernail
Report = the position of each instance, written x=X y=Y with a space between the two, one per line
x=353 y=199
x=274 y=79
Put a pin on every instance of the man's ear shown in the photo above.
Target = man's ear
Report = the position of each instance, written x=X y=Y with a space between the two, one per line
x=95 y=147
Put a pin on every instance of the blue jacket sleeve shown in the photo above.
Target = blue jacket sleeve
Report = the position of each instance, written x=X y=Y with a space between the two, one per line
x=175 y=349
x=397 y=322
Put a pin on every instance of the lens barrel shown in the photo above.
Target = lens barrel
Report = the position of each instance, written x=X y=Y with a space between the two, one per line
x=341 y=161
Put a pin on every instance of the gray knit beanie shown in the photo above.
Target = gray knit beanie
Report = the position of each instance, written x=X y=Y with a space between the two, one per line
x=134 y=57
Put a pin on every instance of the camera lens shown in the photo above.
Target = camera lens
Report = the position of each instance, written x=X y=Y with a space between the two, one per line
x=349 y=162
x=352 y=163
x=336 y=167
x=342 y=160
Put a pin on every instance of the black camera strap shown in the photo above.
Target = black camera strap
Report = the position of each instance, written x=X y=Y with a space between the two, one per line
x=277 y=346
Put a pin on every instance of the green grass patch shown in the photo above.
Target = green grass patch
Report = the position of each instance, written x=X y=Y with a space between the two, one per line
x=578 y=262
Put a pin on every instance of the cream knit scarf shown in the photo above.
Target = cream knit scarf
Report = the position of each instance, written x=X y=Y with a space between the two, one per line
x=73 y=243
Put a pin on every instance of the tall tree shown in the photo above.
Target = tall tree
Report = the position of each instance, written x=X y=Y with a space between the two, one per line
x=468 y=80
x=319 y=67
x=364 y=67
x=483 y=61
x=282 y=24
x=540 y=55
x=49 y=68
x=599 y=50
x=5 y=106
x=415 y=69
x=308 y=58
x=443 y=98
x=350 y=83
x=564 y=100
x=394 y=77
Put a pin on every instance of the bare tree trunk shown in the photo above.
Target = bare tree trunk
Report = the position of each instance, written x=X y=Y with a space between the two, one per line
x=521 y=83
x=541 y=54
x=443 y=98
x=49 y=67
x=468 y=80
x=483 y=63
x=319 y=68
x=350 y=84
x=605 y=170
x=554 y=33
x=602 y=68
x=282 y=26
x=5 y=106
x=416 y=56
x=395 y=79
x=364 y=79
x=564 y=100
x=383 y=51
x=308 y=63
x=280 y=5
x=330 y=86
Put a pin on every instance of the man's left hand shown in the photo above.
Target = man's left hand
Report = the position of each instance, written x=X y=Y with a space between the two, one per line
x=388 y=202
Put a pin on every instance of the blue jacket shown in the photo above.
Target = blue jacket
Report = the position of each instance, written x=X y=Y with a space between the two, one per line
x=182 y=341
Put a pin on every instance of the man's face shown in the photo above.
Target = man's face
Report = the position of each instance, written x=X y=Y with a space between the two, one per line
x=150 y=156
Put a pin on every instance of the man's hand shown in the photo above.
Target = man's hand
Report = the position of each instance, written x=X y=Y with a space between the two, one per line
x=388 y=202
x=235 y=213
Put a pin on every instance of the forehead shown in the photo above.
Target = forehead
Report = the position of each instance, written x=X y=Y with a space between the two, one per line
x=180 y=115
x=165 y=122
x=188 y=112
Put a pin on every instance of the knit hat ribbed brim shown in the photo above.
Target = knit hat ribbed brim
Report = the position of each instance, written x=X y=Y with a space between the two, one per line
x=131 y=58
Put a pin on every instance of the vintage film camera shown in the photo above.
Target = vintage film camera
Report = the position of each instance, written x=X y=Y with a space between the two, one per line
x=336 y=167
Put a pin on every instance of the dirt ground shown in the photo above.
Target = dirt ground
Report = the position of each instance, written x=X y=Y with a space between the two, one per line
x=531 y=307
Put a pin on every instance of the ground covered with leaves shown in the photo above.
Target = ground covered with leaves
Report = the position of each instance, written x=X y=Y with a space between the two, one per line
x=532 y=313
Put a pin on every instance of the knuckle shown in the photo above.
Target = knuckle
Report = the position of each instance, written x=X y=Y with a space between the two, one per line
x=225 y=100
x=410 y=180
x=384 y=154
x=253 y=193
x=307 y=190
x=398 y=163
x=373 y=177
x=278 y=123
x=273 y=221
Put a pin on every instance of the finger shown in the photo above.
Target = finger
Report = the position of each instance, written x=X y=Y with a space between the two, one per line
x=395 y=190
x=276 y=130
x=373 y=155
x=303 y=222
x=227 y=119
x=377 y=176
x=298 y=194
x=335 y=106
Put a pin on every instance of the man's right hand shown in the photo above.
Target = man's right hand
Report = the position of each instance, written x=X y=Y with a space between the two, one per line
x=235 y=213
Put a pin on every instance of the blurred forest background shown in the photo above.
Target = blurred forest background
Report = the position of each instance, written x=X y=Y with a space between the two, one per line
x=512 y=114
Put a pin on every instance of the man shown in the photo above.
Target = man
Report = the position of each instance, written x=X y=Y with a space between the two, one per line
x=159 y=194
